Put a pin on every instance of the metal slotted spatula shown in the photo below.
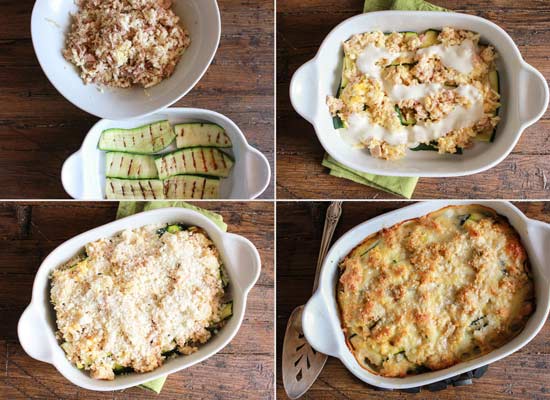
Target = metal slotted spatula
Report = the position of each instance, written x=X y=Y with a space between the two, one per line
x=301 y=363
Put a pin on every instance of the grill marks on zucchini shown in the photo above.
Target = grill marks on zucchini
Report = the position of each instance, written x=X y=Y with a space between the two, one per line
x=192 y=187
x=130 y=166
x=138 y=189
x=203 y=161
x=147 y=139
x=193 y=172
x=201 y=134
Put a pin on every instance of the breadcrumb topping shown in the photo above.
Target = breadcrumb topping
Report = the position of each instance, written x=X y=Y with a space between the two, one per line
x=135 y=297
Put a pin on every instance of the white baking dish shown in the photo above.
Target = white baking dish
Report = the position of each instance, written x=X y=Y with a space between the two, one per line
x=83 y=173
x=321 y=322
x=37 y=325
x=524 y=95
x=51 y=21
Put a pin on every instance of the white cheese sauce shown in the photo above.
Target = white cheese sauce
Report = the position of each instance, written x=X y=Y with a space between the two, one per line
x=360 y=127
x=414 y=92
x=368 y=59
x=457 y=57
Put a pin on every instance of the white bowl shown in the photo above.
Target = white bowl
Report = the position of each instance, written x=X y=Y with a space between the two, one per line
x=50 y=23
x=37 y=326
x=524 y=95
x=321 y=321
x=83 y=173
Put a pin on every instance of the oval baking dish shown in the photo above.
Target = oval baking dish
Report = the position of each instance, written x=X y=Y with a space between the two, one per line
x=83 y=173
x=524 y=95
x=51 y=21
x=321 y=321
x=37 y=326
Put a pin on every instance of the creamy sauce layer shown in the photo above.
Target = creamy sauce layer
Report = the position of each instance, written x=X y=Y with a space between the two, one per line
x=398 y=93
x=367 y=62
x=361 y=128
x=457 y=57
x=371 y=62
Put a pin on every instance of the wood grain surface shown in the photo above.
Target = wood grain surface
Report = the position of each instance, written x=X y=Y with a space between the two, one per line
x=522 y=375
x=301 y=27
x=29 y=231
x=39 y=129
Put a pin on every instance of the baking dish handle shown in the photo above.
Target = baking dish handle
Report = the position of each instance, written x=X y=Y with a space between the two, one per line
x=302 y=91
x=72 y=176
x=533 y=96
x=32 y=335
x=317 y=326
x=247 y=261
x=260 y=173
x=539 y=236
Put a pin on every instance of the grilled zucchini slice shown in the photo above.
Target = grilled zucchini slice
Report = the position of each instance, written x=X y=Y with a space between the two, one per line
x=147 y=139
x=192 y=187
x=134 y=189
x=494 y=81
x=201 y=134
x=206 y=161
x=429 y=38
x=130 y=166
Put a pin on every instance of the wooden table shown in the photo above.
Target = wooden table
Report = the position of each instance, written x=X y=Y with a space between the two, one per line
x=29 y=231
x=523 y=375
x=301 y=27
x=39 y=129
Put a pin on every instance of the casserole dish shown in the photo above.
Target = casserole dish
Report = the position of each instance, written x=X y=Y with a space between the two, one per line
x=321 y=321
x=37 y=326
x=51 y=21
x=83 y=173
x=524 y=95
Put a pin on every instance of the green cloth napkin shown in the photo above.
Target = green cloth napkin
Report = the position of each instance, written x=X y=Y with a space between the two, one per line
x=401 y=186
x=392 y=184
x=127 y=208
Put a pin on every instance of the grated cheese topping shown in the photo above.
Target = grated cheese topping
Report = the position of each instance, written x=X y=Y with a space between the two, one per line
x=137 y=296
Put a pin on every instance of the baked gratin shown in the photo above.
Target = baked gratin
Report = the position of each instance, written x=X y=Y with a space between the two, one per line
x=434 y=291
x=432 y=90
x=137 y=298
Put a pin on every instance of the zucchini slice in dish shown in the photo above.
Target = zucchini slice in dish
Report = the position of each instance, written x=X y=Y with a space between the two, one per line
x=201 y=134
x=134 y=189
x=147 y=139
x=489 y=135
x=207 y=161
x=130 y=166
x=192 y=187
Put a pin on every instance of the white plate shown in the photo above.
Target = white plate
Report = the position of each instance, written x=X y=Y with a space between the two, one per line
x=51 y=21
x=524 y=95
x=37 y=327
x=83 y=173
x=321 y=321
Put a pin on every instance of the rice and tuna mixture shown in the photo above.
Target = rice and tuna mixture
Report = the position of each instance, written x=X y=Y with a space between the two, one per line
x=400 y=89
x=136 y=296
x=122 y=43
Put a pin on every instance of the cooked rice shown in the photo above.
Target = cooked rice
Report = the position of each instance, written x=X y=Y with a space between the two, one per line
x=121 y=43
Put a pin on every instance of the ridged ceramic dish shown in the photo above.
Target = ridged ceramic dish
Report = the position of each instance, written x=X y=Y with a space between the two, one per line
x=51 y=20
x=37 y=325
x=321 y=322
x=524 y=95
x=83 y=173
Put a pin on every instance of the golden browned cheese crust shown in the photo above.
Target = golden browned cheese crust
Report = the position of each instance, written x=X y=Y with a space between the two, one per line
x=434 y=291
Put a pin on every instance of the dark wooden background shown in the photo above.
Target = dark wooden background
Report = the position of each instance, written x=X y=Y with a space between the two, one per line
x=522 y=375
x=29 y=231
x=301 y=27
x=39 y=129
